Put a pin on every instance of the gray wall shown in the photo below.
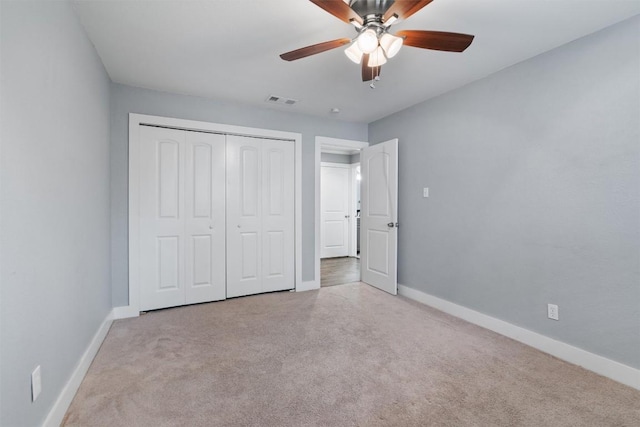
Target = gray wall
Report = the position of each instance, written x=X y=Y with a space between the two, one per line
x=335 y=158
x=534 y=179
x=54 y=235
x=126 y=99
x=340 y=158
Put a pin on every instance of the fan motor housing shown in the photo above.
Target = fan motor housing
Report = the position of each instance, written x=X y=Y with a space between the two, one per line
x=370 y=7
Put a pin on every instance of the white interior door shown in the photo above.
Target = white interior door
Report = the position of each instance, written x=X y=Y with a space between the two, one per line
x=205 y=217
x=335 y=185
x=162 y=228
x=379 y=213
x=260 y=216
x=278 y=237
x=182 y=224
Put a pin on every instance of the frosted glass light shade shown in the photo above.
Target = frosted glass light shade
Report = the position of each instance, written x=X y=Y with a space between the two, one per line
x=391 y=44
x=377 y=58
x=367 y=41
x=354 y=53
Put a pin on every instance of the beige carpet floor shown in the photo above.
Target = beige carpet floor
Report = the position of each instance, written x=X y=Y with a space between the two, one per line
x=342 y=356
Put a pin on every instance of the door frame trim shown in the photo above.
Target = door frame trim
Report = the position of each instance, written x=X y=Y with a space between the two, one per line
x=320 y=142
x=353 y=245
x=135 y=121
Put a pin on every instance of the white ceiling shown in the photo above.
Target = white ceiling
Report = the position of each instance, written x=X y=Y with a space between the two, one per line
x=229 y=49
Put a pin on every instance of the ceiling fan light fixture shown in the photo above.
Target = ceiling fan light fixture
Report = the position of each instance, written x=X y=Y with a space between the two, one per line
x=374 y=44
x=367 y=41
x=377 y=58
x=354 y=53
x=391 y=44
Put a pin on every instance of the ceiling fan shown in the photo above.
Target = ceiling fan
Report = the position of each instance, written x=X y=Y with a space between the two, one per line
x=374 y=43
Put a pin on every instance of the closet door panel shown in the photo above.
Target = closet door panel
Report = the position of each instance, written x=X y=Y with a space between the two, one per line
x=249 y=255
x=244 y=228
x=274 y=254
x=205 y=217
x=278 y=216
x=249 y=182
x=162 y=234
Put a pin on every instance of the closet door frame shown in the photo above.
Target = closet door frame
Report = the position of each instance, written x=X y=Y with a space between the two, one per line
x=135 y=121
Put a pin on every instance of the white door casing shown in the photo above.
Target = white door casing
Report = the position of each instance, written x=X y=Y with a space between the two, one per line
x=137 y=122
x=379 y=213
x=354 y=205
x=335 y=205
x=260 y=232
x=321 y=144
x=181 y=220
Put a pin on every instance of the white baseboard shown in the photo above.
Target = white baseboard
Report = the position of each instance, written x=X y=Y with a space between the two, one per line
x=124 y=312
x=598 y=364
x=308 y=286
x=56 y=414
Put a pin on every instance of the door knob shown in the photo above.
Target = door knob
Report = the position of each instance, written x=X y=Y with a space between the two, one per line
x=390 y=225
x=347 y=216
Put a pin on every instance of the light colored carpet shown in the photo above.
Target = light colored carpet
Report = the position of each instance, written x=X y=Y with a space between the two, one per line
x=342 y=356
x=338 y=271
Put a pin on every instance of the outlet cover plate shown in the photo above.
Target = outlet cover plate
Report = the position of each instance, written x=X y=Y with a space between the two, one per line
x=552 y=312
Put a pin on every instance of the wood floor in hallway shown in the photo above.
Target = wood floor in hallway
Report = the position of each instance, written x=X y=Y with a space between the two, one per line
x=338 y=271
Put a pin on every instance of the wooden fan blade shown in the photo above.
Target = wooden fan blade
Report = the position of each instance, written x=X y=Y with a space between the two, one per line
x=405 y=8
x=436 y=40
x=369 y=73
x=303 y=52
x=339 y=9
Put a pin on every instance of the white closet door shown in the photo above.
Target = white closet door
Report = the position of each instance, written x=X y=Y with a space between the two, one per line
x=244 y=228
x=182 y=217
x=260 y=223
x=162 y=231
x=205 y=217
x=277 y=216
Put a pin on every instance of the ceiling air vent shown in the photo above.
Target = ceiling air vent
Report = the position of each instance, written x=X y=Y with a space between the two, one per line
x=272 y=99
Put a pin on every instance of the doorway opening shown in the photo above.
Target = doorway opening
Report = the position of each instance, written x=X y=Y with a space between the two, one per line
x=339 y=271
x=337 y=211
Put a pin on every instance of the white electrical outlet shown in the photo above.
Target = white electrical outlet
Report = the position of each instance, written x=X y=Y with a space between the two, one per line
x=36 y=384
x=552 y=311
x=425 y=192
